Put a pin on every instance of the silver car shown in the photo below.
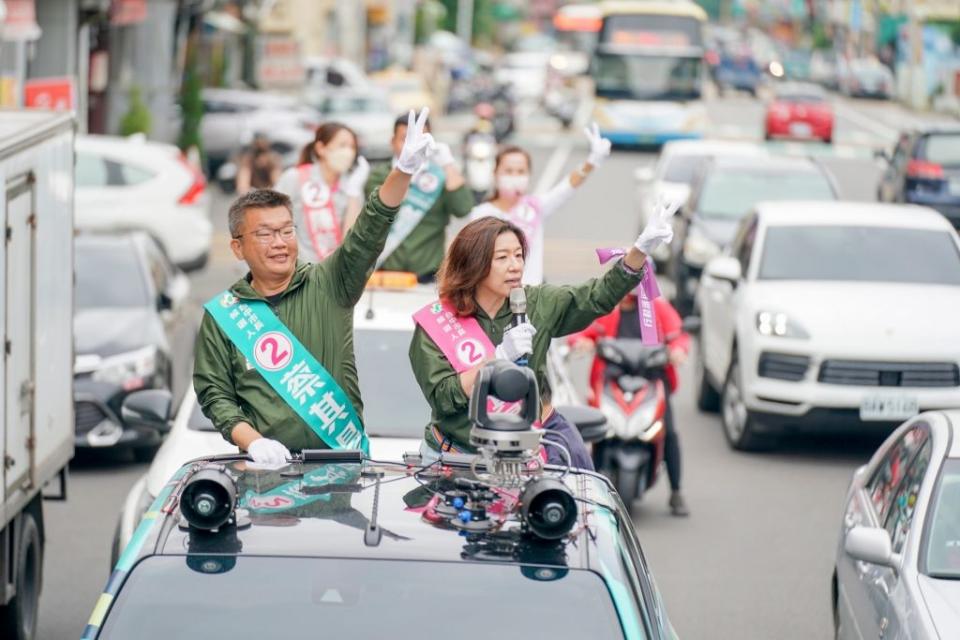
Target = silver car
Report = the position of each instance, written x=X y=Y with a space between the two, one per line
x=897 y=569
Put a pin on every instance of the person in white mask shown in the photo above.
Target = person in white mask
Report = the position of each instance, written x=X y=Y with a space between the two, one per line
x=326 y=189
x=510 y=200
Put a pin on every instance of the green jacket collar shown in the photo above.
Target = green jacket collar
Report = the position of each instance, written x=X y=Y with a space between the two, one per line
x=243 y=289
x=504 y=312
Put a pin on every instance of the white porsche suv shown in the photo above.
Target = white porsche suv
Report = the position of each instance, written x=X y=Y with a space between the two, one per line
x=830 y=316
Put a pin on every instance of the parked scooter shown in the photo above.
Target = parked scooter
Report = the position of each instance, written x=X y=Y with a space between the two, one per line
x=633 y=399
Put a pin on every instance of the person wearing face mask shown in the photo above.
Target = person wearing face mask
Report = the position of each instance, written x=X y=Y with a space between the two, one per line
x=437 y=195
x=327 y=194
x=274 y=366
x=471 y=323
x=511 y=201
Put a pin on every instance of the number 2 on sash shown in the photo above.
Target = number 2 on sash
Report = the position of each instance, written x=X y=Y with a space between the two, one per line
x=275 y=357
x=472 y=353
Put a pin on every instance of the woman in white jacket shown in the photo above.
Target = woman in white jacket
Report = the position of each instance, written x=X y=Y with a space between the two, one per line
x=511 y=202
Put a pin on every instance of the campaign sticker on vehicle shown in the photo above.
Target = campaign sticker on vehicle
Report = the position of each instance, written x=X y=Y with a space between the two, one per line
x=888 y=408
x=273 y=351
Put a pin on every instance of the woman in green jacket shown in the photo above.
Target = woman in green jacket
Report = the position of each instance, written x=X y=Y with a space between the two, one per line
x=483 y=264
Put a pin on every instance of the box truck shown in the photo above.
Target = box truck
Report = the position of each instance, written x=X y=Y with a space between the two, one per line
x=36 y=379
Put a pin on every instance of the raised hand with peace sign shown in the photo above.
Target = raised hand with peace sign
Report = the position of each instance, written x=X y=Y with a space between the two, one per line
x=417 y=146
x=659 y=227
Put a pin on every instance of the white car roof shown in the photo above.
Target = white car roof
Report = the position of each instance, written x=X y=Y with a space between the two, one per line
x=263 y=99
x=712 y=147
x=819 y=213
x=131 y=147
x=392 y=309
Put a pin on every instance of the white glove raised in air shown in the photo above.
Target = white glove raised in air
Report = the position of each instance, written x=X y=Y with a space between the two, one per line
x=352 y=184
x=659 y=227
x=517 y=341
x=417 y=146
x=599 y=147
x=442 y=155
x=268 y=452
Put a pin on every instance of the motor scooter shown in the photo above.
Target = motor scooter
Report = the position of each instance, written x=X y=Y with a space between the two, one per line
x=632 y=396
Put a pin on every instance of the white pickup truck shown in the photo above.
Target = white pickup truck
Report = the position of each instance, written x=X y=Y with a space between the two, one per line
x=36 y=379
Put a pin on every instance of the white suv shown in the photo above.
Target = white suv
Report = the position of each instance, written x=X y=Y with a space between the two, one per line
x=830 y=315
x=130 y=184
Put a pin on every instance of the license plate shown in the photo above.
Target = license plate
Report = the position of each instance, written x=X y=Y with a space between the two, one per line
x=888 y=408
x=801 y=129
x=954 y=187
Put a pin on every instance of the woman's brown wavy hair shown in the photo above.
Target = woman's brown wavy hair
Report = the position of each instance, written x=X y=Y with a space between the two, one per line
x=468 y=261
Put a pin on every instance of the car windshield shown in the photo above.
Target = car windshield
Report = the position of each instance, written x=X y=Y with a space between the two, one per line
x=113 y=262
x=731 y=194
x=646 y=77
x=860 y=254
x=681 y=167
x=941 y=148
x=383 y=364
x=171 y=597
x=942 y=539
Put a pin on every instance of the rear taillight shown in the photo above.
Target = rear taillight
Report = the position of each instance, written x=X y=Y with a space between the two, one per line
x=197 y=186
x=924 y=170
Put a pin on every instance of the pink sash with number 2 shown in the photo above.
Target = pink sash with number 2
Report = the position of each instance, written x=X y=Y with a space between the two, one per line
x=463 y=342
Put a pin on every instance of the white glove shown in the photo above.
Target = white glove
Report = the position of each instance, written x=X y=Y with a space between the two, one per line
x=352 y=184
x=442 y=155
x=517 y=341
x=417 y=146
x=268 y=452
x=659 y=228
x=599 y=147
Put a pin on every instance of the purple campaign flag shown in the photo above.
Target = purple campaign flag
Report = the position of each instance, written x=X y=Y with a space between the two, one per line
x=647 y=292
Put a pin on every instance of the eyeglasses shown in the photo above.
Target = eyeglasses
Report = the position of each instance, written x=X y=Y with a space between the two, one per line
x=265 y=236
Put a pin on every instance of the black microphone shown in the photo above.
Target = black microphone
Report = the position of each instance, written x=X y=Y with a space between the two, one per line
x=518 y=307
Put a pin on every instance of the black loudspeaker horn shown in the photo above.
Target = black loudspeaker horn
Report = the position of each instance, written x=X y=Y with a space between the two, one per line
x=548 y=508
x=209 y=499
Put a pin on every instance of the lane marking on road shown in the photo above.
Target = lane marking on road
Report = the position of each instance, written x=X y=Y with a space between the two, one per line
x=882 y=130
x=553 y=169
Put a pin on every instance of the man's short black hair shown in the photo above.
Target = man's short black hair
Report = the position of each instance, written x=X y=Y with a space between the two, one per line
x=401 y=121
x=255 y=199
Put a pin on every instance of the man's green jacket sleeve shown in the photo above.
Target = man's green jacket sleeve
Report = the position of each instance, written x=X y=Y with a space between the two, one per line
x=437 y=378
x=459 y=202
x=565 y=309
x=348 y=269
x=213 y=379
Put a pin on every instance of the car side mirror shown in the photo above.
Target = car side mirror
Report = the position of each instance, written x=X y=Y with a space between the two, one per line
x=179 y=289
x=591 y=422
x=643 y=174
x=149 y=408
x=725 y=268
x=871 y=544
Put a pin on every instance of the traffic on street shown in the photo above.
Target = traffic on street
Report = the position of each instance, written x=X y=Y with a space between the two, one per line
x=624 y=319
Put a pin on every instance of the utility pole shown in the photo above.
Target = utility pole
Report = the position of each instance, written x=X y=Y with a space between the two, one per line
x=465 y=20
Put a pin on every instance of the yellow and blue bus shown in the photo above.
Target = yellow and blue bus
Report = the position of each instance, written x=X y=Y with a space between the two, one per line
x=648 y=71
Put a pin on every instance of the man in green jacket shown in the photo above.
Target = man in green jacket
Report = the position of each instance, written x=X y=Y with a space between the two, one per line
x=314 y=302
x=416 y=241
